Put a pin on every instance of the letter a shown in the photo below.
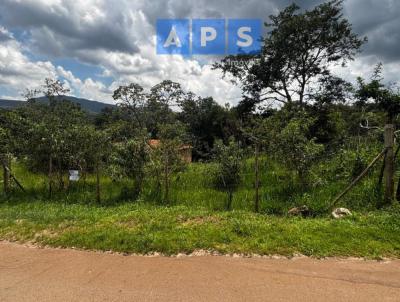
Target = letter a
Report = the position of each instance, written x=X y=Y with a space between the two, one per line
x=172 y=39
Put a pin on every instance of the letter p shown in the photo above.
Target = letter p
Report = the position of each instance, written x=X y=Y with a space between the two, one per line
x=208 y=36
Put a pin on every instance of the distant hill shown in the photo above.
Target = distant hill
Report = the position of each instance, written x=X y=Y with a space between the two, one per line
x=10 y=104
x=87 y=105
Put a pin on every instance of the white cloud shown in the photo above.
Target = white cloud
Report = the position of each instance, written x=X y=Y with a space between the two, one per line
x=17 y=71
x=364 y=67
x=88 y=88
x=147 y=68
x=119 y=37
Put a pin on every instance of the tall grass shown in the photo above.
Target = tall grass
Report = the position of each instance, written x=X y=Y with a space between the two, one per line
x=279 y=191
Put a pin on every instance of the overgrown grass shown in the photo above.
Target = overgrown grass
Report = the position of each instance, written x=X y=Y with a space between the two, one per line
x=279 y=188
x=195 y=217
x=141 y=228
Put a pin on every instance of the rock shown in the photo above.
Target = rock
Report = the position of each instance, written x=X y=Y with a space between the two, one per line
x=299 y=211
x=340 y=213
x=181 y=255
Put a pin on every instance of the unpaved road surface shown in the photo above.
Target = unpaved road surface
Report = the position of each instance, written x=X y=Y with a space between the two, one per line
x=33 y=274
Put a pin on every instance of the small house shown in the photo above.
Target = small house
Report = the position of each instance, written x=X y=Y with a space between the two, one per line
x=185 y=150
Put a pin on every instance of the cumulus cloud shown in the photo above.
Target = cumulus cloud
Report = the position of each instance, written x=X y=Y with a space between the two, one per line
x=62 y=27
x=17 y=71
x=88 y=88
x=118 y=37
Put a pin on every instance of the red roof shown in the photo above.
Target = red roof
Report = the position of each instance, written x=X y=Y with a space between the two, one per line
x=154 y=143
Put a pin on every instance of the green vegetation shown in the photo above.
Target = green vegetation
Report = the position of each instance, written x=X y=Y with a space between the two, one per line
x=196 y=217
x=141 y=228
x=195 y=186
x=298 y=137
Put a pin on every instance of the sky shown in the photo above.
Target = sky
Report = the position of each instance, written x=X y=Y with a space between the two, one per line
x=94 y=46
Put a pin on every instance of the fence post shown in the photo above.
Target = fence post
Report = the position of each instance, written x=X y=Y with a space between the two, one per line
x=257 y=180
x=6 y=173
x=389 y=164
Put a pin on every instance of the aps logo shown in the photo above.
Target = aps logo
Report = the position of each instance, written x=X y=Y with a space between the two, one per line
x=208 y=36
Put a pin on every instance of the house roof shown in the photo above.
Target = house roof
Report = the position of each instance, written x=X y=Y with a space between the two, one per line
x=155 y=143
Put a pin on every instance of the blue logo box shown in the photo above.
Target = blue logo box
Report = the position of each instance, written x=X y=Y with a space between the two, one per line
x=209 y=36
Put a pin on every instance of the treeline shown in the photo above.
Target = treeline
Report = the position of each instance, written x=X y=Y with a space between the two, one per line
x=58 y=137
x=294 y=111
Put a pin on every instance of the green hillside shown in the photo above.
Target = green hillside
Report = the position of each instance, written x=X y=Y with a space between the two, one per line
x=87 y=105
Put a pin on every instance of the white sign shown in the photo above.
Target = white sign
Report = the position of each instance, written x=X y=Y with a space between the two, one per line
x=73 y=175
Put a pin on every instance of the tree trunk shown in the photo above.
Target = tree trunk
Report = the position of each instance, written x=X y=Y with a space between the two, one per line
x=98 y=195
x=230 y=198
x=6 y=173
x=50 y=176
x=257 y=181
x=303 y=181
x=381 y=174
x=166 y=181
x=138 y=185
x=60 y=176
x=389 y=165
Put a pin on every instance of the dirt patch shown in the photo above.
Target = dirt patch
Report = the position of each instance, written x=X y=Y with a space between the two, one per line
x=45 y=234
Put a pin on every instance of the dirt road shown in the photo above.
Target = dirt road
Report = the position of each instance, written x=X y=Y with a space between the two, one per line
x=33 y=274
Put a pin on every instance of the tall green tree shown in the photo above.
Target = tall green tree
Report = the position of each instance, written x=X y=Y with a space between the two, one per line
x=165 y=158
x=129 y=159
x=385 y=98
x=297 y=52
x=296 y=149
x=133 y=100
x=206 y=121
x=51 y=137
x=229 y=163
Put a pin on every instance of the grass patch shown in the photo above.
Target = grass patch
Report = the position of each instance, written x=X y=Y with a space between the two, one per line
x=143 y=228
x=279 y=190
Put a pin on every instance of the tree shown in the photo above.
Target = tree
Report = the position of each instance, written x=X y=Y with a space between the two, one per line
x=387 y=100
x=295 y=149
x=51 y=137
x=165 y=160
x=131 y=153
x=92 y=150
x=167 y=93
x=206 y=122
x=297 y=52
x=4 y=157
x=133 y=100
x=161 y=98
x=52 y=89
x=256 y=132
x=148 y=110
x=227 y=174
x=130 y=158
x=12 y=140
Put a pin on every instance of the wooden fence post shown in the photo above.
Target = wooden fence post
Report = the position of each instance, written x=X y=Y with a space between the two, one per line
x=358 y=178
x=50 y=176
x=257 y=180
x=6 y=173
x=389 y=163
x=98 y=194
